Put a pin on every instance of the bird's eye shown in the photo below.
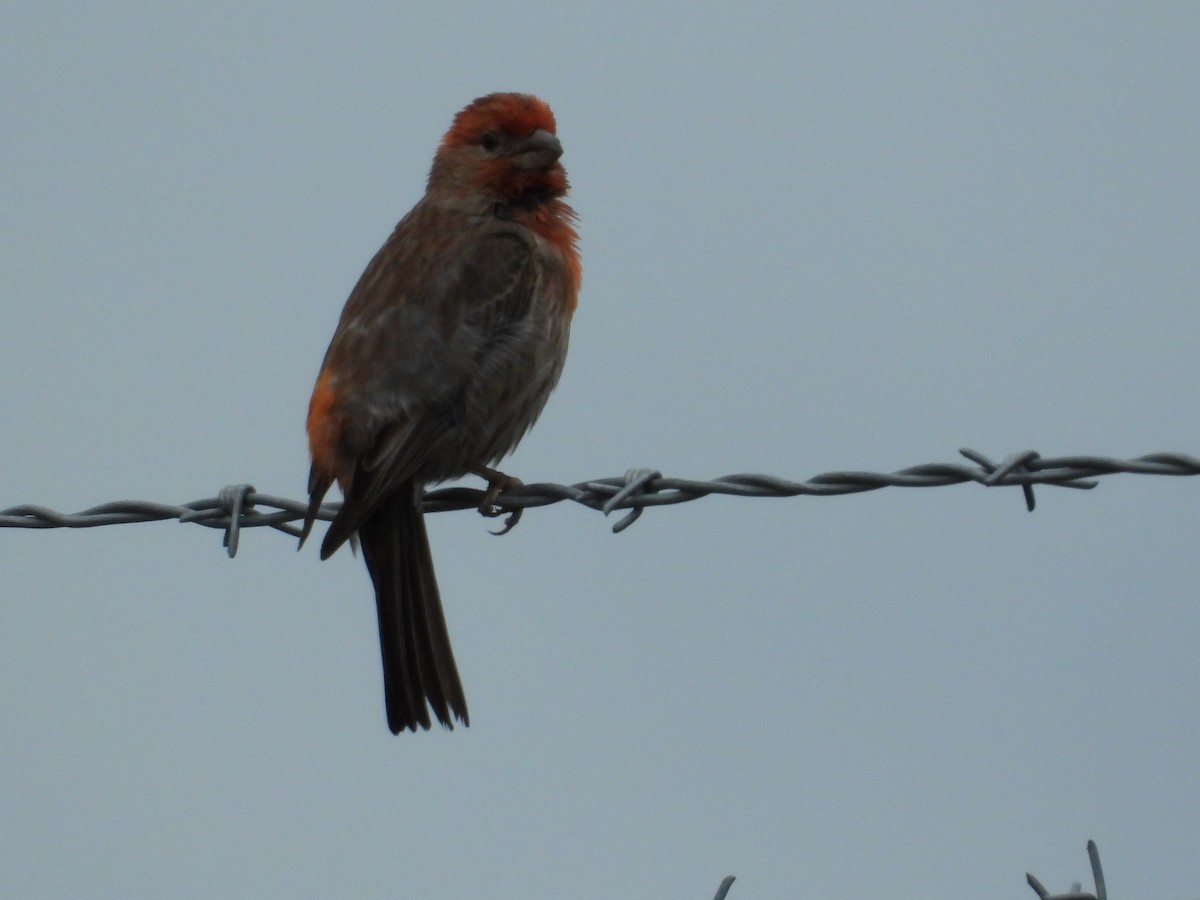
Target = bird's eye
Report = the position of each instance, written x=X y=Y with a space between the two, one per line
x=490 y=141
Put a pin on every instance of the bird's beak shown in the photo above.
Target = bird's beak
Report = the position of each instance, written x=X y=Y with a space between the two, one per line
x=538 y=151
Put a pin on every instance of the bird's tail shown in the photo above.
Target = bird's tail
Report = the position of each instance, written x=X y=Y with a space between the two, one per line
x=418 y=664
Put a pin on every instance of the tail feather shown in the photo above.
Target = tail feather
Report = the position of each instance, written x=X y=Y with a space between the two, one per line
x=318 y=486
x=418 y=664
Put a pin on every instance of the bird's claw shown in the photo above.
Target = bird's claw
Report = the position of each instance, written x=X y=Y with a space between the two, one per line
x=498 y=483
x=509 y=523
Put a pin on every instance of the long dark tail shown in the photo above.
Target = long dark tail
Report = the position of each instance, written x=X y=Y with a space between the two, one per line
x=418 y=664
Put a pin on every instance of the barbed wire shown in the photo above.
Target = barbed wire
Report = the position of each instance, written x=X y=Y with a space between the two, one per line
x=241 y=506
x=1077 y=892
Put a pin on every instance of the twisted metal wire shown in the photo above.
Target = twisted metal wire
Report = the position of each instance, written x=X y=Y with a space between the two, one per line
x=1077 y=892
x=241 y=506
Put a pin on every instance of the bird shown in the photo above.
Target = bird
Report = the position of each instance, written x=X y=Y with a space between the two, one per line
x=443 y=358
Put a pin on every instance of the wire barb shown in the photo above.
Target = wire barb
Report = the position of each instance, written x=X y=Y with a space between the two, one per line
x=1077 y=892
x=241 y=506
x=233 y=501
x=636 y=483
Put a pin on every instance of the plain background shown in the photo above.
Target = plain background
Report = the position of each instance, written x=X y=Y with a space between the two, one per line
x=816 y=237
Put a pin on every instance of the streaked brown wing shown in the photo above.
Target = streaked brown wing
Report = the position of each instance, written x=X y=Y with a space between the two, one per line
x=445 y=337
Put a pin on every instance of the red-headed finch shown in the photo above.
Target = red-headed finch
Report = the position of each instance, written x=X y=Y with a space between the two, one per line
x=443 y=358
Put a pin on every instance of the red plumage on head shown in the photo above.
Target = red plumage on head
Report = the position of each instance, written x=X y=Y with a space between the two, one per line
x=515 y=114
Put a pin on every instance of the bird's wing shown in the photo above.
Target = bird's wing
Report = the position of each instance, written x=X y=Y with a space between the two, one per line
x=414 y=358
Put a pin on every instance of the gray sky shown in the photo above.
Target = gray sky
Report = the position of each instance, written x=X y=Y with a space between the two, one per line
x=815 y=238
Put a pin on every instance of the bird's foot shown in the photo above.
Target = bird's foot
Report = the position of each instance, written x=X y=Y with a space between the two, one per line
x=498 y=483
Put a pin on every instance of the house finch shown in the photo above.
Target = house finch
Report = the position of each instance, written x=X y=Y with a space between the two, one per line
x=445 y=354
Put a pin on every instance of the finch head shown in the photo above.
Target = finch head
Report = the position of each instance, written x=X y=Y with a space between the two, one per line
x=504 y=147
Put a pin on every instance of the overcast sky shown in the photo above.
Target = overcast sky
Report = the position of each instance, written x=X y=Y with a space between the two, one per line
x=815 y=238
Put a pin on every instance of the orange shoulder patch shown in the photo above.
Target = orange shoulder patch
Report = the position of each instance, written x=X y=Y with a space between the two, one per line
x=325 y=425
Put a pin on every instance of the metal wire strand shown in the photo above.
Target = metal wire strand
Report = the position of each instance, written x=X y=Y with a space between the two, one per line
x=240 y=506
x=1077 y=892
